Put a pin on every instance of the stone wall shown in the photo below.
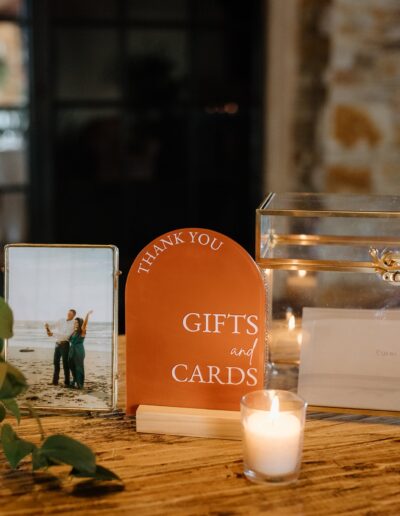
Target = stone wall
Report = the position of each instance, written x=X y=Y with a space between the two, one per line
x=311 y=97
x=347 y=122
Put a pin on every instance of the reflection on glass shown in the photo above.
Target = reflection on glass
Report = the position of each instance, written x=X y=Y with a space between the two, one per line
x=159 y=10
x=88 y=64
x=213 y=10
x=88 y=144
x=222 y=69
x=166 y=45
x=13 y=166
x=13 y=219
x=13 y=80
x=84 y=9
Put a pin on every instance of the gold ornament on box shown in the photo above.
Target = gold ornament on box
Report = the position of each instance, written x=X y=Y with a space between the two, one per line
x=387 y=265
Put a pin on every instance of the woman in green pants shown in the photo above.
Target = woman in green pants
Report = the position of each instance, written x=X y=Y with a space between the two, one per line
x=76 y=356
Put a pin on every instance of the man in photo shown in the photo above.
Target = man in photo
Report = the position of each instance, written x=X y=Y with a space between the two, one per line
x=62 y=330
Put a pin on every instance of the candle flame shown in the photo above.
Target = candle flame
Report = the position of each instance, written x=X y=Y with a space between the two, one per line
x=275 y=407
x=302 y=274
x=292 y=322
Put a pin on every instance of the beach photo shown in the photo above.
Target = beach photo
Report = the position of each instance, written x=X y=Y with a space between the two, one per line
x=63 y=300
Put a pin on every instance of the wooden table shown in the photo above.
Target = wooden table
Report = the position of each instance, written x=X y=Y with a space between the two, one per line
x=351 y=465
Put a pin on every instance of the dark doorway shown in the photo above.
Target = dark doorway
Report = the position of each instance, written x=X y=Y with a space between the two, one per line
x=146 y=116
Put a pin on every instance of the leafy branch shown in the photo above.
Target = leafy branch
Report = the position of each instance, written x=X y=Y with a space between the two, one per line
x=53 y=450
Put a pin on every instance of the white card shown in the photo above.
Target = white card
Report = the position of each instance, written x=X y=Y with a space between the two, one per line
x=350 y=358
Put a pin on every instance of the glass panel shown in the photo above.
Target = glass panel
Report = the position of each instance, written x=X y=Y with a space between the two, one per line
x=212 y=10
x=13 y=165
x=156 y=145
x=160 y=56
x=289 y=293
x=231 y=13
x=222 y=138
x=342 y=229
x=157 y=127
x=84 y=9
x=13 y=77
x=88 y=145
x=306 y=248
x=88 y=64
x=157 y=10
x=332 y=202
x=13 y=217
x=13 y=169
x=222 y=68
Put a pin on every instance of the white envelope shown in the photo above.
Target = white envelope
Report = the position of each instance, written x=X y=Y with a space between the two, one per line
x=350 y=358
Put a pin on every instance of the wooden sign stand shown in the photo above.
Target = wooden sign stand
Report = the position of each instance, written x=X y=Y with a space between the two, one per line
x=218 y=424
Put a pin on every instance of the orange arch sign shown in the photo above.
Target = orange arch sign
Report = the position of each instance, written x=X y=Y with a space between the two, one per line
x=195 y=322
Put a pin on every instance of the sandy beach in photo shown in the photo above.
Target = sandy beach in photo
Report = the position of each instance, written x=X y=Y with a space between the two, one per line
x=37 y=366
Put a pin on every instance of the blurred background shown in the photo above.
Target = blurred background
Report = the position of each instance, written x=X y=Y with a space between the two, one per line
x=123 y=119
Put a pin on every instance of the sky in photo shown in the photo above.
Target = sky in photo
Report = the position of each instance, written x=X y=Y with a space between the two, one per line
x=45 y=282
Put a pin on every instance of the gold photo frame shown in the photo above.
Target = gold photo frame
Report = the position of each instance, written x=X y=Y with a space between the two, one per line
x=65 y=304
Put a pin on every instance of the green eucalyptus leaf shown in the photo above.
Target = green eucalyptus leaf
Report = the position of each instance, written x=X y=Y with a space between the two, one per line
x=9 y=389
x=39 y=460
x=12 y=406
x=2 y=413
x=16 y=374
x=6 y=320
x=101 y=473
x=63 y=449
x=13 y=384
x=15 y=449
x=3 y=372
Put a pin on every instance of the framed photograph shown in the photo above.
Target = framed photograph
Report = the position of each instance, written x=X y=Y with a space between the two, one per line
x=64 y=300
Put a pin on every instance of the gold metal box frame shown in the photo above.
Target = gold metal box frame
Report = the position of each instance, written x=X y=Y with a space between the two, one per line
x=363 y=237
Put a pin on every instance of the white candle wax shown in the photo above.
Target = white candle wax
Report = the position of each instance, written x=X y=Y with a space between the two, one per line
x=272 y=443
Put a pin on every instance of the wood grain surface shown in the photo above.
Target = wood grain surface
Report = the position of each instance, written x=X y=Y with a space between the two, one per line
x=351 y=465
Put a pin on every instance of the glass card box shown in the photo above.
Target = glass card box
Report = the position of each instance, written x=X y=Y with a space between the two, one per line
x=331 y=268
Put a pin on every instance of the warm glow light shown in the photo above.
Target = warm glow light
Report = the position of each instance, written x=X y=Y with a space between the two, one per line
x=292 y=322
x=299 y=339
x=275 y=407
x=302 y=274
x=231 y=108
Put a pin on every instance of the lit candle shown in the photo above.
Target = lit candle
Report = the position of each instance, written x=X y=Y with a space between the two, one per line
x=301 y=283
x=299 y=340
x=272 y=440
x=285 y=339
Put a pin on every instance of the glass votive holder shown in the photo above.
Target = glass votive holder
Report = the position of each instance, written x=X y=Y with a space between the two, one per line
x=273 y=429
